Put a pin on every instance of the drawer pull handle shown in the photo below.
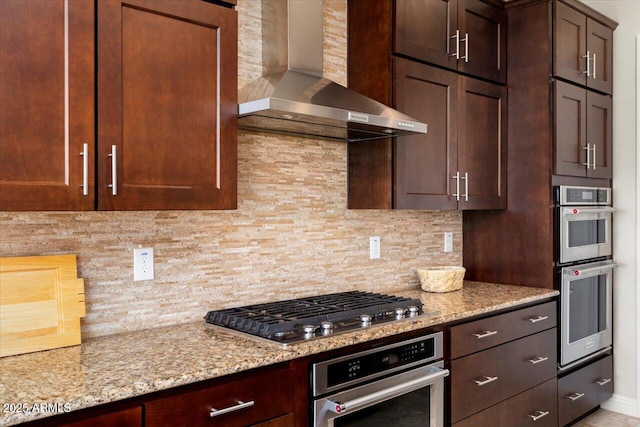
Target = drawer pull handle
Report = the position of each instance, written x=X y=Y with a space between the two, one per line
x=603 y=381
x=539 y=414
x=485 y=334
x=538 y=360
x=575 y=396
x=538 y=319
x=486 y=381
x=241 y=405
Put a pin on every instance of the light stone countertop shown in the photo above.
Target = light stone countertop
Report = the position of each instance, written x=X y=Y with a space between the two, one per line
x=122 y=366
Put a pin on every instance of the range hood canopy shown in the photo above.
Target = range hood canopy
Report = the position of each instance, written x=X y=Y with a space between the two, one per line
x=293 y=97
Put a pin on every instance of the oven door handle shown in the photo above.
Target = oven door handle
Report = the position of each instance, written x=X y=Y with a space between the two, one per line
x=382 y=395
x=577 y=271
x=570 y=211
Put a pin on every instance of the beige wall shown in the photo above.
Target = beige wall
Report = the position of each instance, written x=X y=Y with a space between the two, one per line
x=625 y=199
x=291 y=235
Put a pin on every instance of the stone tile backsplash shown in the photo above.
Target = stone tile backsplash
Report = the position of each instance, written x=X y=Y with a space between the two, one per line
x=291 y=235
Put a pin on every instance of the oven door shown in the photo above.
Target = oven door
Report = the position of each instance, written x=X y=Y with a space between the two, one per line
x=586 y=310
x=585 y=233
x=412 y=398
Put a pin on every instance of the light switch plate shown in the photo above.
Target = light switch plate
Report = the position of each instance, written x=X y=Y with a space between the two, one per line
x=448 y=242
x=374 y=247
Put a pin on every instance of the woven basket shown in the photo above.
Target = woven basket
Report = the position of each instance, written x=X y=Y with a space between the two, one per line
x=441 y=278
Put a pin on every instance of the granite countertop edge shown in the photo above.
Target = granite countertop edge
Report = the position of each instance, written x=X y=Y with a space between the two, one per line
x=96 y=372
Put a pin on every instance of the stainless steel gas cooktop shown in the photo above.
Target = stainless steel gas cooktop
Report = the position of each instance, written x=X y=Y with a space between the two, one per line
x=303 y=319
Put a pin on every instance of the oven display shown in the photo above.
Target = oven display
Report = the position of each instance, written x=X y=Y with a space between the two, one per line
x=363 y=366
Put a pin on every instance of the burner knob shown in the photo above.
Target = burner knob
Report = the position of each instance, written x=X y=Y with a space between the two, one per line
x=327 y=327
x=365 y=319
x=399 y=312
x=309 y=329
x=413 y=310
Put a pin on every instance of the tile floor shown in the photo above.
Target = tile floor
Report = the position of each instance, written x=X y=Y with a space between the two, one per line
x=604 y=418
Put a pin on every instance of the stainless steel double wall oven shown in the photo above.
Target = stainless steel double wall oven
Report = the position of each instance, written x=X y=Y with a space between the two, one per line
x=585 y=272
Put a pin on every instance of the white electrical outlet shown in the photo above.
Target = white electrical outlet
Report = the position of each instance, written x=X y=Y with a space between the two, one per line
x=448 y=242
x=374 y=247
x=142 y=264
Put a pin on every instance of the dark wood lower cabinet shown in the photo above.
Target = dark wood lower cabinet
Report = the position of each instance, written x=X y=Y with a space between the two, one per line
x=534 y=407
x=483 y=379
x=263 y=398
x=584 y=389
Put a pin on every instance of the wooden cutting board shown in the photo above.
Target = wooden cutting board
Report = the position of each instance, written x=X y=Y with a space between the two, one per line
x=41 y=303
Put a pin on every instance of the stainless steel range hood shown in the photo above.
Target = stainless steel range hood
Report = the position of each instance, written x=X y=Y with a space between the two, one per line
x=293 y=97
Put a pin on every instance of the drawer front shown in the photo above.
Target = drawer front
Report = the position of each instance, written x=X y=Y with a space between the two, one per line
x=485 y=333
x=483 y=379
x=535 y=407
x=584 y=389
x=269 y=390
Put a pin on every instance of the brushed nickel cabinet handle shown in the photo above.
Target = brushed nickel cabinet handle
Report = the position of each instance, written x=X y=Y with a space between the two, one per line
x=466 y=47
x=485 y=334
x=575 y=396
x=603 y=381
x=457 y=37
x=594 y=157
x=457 y=193
x=85 y=169
x=538 y=415
x=588 y=148
x=594 y=66
x=538 y=359
x=485 y=381
x=588 y=71
x=114 y=171
x=241 y=405
x=538 y=319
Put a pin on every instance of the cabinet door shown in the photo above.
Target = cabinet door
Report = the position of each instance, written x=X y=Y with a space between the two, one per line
x=482 y=145
x=570 y=129
x=424 y=30
x=600 y=47
x=569 y=44
x=124 y=418
x=535 y=407
x=167 y=104
x=484 y=29
x=424 y=164
x=599 y=134
x=584 y=389
x=46 y=93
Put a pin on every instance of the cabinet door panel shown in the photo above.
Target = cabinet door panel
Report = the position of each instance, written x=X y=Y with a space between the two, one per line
x=580 y=391
x=600 y=134
x=424 y=164
x=485 y=28
x=423 y=30
x=569 y=44
x=482 y=144
x=167 y=104
x=600 y=47
x=570 y=129
x=46 y=93
x=539 y=402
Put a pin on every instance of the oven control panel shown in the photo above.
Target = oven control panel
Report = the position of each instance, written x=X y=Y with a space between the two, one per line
x=354 y=368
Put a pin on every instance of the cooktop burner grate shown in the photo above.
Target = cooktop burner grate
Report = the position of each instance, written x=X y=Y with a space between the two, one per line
x=281 y=317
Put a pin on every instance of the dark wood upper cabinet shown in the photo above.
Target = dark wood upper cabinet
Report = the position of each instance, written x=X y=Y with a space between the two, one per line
x=460 y=162
x=583 y=132
x=464 y=35
x=166 y=105
x=583 y=49
x=485 y=48
x=424 y=164
x=47 y=98
x=166 y=92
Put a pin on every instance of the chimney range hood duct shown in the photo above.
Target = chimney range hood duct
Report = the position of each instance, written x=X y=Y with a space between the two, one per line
x=293 y=97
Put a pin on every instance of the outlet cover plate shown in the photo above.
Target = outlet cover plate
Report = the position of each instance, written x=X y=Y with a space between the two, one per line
x=142 y=264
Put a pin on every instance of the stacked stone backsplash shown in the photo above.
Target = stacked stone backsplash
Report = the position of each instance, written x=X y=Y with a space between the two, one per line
x=291 y=235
